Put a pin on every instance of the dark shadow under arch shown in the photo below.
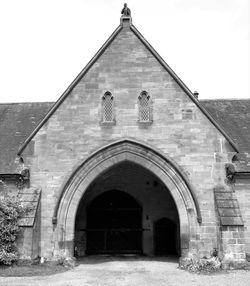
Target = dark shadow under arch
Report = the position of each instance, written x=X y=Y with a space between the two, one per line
x=164 y=168
x=166 y=240
x=114 y=224
x=146 y=149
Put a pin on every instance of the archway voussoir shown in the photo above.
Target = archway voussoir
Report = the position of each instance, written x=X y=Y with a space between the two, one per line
x=111 y=156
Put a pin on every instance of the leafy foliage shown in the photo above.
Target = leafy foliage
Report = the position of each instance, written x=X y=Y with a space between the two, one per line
x=10 y=212
x=201 y=264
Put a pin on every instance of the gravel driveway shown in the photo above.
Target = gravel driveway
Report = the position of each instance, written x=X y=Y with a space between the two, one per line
x=129 y=271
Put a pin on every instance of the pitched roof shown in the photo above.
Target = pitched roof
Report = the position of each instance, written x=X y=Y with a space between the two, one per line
x=125 y=21
x=234 y=116
x=17 y=121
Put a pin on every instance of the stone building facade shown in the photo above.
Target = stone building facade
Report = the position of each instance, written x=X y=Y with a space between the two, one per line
x=128 y=160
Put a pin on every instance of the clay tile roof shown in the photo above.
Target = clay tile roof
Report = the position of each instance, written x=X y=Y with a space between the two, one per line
x=17 y=121
x=234 y=117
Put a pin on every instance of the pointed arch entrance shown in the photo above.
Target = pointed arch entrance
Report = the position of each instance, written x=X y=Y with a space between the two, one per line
x=124 y=151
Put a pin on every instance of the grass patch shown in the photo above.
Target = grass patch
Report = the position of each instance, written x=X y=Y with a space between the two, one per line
x=31 y=270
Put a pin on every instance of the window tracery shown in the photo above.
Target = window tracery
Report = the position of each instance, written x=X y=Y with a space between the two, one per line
x=145 y=107
x=107 y=108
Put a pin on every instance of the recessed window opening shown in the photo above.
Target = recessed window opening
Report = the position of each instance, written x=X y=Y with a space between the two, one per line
x=107 y=107
x=145 y=107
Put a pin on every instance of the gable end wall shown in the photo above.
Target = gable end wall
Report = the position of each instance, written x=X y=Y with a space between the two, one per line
x=74 y=131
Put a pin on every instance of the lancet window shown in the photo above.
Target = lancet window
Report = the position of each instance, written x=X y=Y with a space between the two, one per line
x=107 y=107
x=145 y=107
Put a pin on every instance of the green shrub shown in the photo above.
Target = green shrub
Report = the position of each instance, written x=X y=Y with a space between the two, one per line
x=10 y=212
x=201 y=264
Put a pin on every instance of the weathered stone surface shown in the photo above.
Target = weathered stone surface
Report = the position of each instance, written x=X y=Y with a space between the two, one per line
x=126 y=68
x=227 y=203
x=227 y=206
x=30 y=199
x=233 y=220
x=26 y=221
x=74 y=133
x=242 y=188
x=229 y=212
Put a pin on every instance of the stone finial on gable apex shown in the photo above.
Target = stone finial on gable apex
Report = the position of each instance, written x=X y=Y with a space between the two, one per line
x=126 y=11
x=126 y=19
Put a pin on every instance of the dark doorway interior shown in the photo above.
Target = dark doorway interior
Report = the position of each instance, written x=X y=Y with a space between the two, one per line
x=114 y=224
x=165 y=233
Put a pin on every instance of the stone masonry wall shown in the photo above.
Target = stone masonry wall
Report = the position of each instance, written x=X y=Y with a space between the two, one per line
x=74 y=132
x=233 y=245
x=242 y=190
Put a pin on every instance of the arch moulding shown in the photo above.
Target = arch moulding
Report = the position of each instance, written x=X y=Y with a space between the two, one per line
x=126 y=150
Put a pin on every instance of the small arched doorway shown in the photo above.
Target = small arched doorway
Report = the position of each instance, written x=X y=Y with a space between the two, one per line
x=114 y=224
x=165 y=237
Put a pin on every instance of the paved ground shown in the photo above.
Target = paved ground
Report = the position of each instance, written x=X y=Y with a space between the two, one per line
x=131 y=272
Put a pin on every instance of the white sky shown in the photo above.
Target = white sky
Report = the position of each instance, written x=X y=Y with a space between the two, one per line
x=46 y=43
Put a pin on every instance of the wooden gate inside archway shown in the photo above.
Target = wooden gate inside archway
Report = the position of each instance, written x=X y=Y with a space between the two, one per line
x=114 y=224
